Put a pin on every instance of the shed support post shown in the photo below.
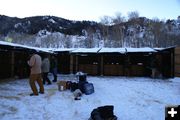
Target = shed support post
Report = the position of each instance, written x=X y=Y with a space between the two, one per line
x=12 y=63
x=172 y=63
x=76 y=63
x=71 y=64
x=102 y=65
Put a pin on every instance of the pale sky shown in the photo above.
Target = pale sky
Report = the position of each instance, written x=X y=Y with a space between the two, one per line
x=90 y=9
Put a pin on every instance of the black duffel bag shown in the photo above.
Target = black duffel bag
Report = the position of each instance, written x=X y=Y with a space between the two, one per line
x=103 y=113
x=73 y=86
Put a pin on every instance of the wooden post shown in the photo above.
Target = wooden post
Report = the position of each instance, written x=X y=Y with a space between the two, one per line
x=12 y=63
x=77 y=63
x=71 y=64
x=102 y=65
x=172 y=62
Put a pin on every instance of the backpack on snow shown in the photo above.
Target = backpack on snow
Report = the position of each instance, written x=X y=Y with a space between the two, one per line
x=88 y=88
x=73 y=86
x=103 y=113
x=81 y=85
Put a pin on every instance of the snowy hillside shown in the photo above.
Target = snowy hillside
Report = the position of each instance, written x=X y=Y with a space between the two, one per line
x=51 y=31
x=133 y=99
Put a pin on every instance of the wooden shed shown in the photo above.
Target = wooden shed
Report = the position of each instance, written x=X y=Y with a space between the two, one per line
x=64 y=59
x=139 y=59
x=166 y=57
x=86 y=60
x=93 y=61
x=177 y=61
x=14 y=59
x=112 y=61
x=123 y=61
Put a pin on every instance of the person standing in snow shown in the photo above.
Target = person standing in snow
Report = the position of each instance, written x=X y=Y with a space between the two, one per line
x=45 y=69
x=54 y=68
x=154 y=66
x=35 y=74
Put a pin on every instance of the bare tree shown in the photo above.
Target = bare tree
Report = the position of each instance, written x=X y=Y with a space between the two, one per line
x=119 y=18
x=104 y=25
x=106 y=20
x=89 y=40
x=133 y=15
x=118 y=34
x=157 y=31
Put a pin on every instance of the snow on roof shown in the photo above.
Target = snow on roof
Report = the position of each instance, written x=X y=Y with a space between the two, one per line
x=145 y=49
x=9 y=44
x=24 y=46
x=86 y=50
x=164 y=48
x=112 y=50
x=124 y=50
x=63 y=49
x=39 y=49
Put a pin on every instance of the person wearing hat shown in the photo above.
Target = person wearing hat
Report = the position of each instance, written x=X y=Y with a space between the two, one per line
x=35 y=63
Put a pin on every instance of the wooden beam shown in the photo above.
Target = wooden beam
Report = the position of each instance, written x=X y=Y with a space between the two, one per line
x=102 y=65
x=12 y=63
x=77 y=63
x=71 y=64
x=172 y=62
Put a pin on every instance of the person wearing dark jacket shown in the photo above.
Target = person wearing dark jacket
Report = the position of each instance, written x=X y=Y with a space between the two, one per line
x=54 y=68
x=154 y=66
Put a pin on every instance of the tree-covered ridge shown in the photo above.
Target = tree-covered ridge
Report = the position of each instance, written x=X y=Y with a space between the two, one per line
x=51 y=31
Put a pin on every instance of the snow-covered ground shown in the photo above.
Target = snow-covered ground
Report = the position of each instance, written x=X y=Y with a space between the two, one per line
x=133 y=99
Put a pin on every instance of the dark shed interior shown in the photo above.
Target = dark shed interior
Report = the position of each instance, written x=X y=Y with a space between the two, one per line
x=88 y=64
x=63 y=62
x=113 y=64
x=5 y=63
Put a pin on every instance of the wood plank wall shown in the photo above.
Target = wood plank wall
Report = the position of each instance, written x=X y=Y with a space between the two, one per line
x=177 y=61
